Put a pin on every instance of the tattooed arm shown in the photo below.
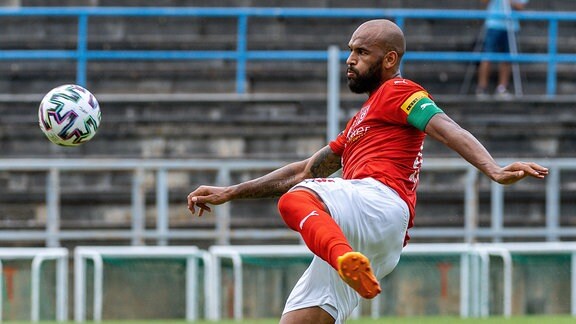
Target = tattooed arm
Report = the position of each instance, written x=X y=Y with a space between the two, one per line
x=322 y=164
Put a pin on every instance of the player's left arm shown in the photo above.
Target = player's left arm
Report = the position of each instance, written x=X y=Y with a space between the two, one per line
x=444 y=129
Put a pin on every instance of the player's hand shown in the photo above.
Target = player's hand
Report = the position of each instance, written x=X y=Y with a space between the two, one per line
x=205 y=195
x=519 y=170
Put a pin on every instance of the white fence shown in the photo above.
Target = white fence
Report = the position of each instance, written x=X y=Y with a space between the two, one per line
x=97 y=254
x=38 y=257
x=474 y=271
x=474 y=279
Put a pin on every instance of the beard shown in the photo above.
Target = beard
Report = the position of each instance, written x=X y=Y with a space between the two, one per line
x=368 y=82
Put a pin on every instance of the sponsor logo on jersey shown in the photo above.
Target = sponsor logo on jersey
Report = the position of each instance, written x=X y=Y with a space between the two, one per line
x=413 y=100
x=360 y=116
x=357 y=133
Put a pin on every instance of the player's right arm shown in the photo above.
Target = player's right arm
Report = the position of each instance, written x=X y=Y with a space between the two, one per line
x=320 y=165
x=447 y=131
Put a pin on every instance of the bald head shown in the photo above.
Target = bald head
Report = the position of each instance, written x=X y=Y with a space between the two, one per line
x=382 y=33
x=376 y=49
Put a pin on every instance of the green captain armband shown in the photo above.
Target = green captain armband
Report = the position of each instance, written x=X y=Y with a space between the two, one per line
x=422 y=111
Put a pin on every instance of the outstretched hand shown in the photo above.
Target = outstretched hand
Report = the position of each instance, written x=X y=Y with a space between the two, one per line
x=205 y=195
x=519 y=170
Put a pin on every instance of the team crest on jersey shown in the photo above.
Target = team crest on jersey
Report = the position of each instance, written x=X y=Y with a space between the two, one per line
x=356 y=132
x=361 y=115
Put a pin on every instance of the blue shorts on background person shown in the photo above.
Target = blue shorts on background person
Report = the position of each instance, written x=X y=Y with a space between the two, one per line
x=496 y=41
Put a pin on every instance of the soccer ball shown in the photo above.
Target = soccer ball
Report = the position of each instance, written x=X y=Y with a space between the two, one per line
x=69 y=115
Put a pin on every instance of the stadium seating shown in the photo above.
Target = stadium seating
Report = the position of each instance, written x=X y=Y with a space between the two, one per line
x=178 y=110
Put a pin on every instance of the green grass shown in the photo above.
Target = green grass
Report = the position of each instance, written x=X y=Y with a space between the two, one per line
x=455 y=320
x=383 y=320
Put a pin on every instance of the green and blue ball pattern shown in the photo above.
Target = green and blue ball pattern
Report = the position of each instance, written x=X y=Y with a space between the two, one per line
x=69 y=115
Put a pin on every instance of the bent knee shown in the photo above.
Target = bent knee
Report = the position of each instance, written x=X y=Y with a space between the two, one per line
x=296 y=204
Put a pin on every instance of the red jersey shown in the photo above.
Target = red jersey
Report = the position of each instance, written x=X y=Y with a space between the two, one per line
x=384 y=139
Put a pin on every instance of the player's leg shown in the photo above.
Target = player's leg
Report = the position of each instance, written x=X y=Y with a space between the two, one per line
x=374 y=219
x=303 y=211
x=319 y=296
x=309 y=315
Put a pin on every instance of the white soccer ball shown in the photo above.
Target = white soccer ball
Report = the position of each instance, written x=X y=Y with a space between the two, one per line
x=69 y=115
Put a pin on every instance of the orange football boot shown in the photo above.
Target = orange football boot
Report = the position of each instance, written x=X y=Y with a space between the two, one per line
x=354 y=268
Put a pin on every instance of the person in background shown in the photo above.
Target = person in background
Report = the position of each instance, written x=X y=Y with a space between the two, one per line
x=496 y=40
x=357 y=225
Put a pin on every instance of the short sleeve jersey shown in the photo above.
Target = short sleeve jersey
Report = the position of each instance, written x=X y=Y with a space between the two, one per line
x=384 y=139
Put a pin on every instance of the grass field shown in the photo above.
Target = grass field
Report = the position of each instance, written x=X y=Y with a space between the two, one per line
x=383 y=320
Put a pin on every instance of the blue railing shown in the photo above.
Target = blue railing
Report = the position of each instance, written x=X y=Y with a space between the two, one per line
x=242 y=55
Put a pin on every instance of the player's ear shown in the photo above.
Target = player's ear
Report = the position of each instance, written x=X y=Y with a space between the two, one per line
x=390 y=59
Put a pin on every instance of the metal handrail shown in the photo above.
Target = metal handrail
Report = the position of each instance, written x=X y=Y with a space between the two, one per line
x=222 y=233
x=241 y=55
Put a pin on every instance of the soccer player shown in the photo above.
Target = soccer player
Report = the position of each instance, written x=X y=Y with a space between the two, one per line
x=357 y=225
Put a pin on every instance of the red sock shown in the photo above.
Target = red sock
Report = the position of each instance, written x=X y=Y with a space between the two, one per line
x=305 y=214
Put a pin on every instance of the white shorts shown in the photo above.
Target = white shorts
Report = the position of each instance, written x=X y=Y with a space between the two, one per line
x=374 y=219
